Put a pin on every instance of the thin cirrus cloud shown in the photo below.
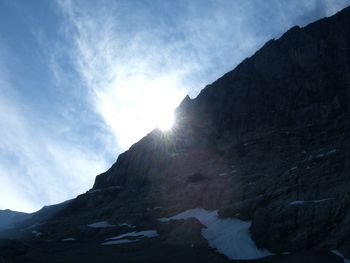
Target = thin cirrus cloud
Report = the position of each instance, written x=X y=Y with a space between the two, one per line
x=41 y=162
x=111 y=69
x=38 y=168
x=138 y=58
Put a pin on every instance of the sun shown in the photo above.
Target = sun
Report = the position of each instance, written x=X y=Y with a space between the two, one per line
x=134 y=106
x=166 y=121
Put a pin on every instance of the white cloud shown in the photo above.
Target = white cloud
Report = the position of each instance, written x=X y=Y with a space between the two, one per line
x=124 y=77
x=136 y=62
x=134 y=69
x=38 y=167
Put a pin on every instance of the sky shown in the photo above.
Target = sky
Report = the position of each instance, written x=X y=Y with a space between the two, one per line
x=81 y=81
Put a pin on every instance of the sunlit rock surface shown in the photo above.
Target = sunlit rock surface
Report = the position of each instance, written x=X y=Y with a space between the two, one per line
x=266 y=143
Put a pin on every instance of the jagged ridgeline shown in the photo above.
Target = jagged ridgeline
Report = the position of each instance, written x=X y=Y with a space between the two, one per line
x=257 y=165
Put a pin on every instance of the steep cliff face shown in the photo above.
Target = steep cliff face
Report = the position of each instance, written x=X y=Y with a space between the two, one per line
x=276 y=129
x=267 y=142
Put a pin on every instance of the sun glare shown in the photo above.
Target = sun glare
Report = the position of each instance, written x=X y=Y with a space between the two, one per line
x=136 y=105
x=166 y=121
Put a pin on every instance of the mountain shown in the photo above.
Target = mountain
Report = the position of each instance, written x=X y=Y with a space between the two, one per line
x=256 y=168
x=11 y=221
x=9 y=218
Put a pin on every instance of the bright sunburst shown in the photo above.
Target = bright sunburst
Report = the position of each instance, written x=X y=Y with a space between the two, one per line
x=135 y=105
x=166 y=121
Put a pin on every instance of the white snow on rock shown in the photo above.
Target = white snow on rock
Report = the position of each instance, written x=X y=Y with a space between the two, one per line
x=123 y=239
x=127 y=225
x=69 y=239
x=327 y=153
x=141 y=234
x=341 y=255
x=310 y=201
x=230 y=236
x=297 y=203
x=101 y=224
x=292 y=169
x=36 y=233
x=119 y=241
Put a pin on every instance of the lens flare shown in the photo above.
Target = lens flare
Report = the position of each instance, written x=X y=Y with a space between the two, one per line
x=166 y=121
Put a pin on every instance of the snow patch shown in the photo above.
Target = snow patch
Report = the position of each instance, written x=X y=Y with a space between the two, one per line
x=327 y=153
x=341 y=255
x=141 y=234
x=297 y=203
x=123 y=239
x=301 y=202
x=36 y=233
x=69 y=239
x=127 y=225
x=230 y=236
x=101 y=224
x=120 y=241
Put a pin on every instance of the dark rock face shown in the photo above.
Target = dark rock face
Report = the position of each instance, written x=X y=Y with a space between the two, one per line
x=267 y=142
x=277 y=129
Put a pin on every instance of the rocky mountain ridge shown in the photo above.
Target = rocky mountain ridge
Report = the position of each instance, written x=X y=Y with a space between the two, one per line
x=278 y=127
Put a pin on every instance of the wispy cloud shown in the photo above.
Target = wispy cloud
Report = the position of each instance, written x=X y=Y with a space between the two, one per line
x=39 y=165
x=129 y=77
x=135 y=64
x=37 y=169
x=129 y=52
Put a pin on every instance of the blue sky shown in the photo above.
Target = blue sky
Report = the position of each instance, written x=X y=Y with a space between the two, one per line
x=80 y=81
